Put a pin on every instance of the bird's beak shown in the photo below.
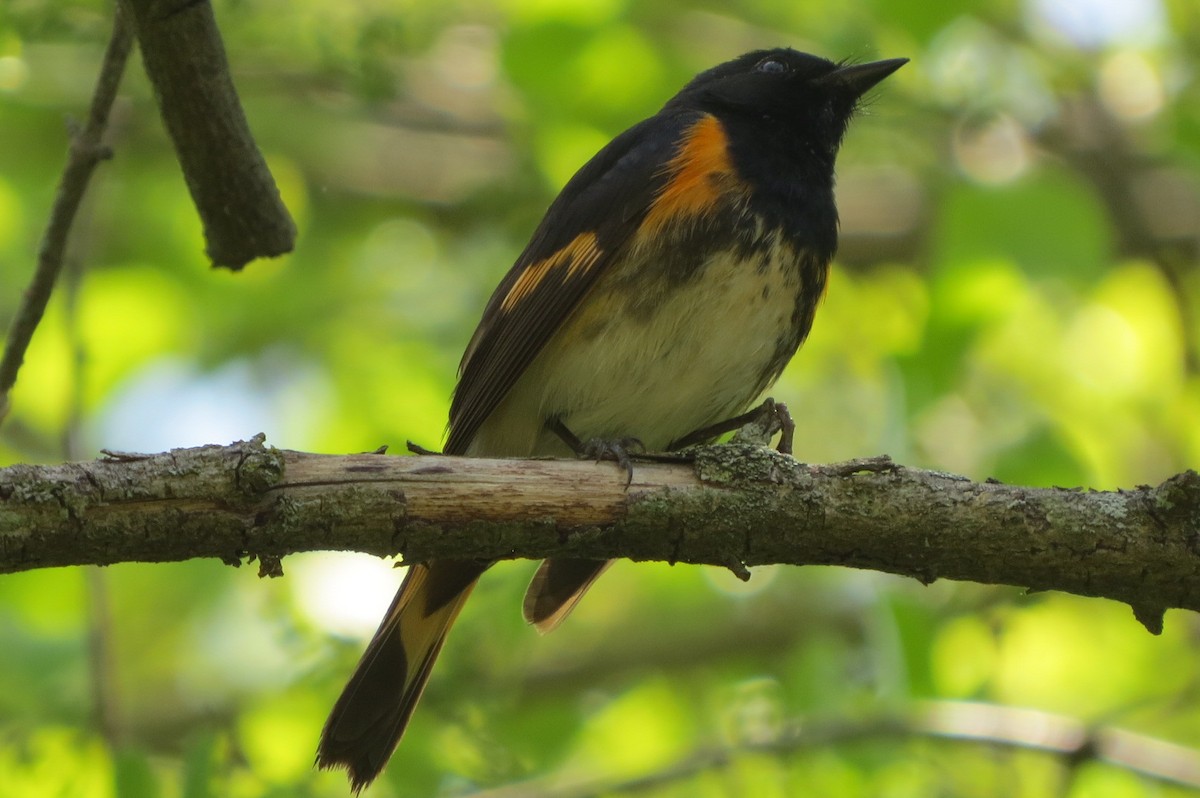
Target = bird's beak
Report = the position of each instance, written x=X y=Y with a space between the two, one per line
x=857 y=79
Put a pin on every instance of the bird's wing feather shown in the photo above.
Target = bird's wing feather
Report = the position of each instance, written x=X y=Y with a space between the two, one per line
x=582 y=234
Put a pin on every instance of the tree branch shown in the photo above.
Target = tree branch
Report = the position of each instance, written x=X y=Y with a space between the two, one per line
x=732 y=505
x=85 y=153
x=234 y=192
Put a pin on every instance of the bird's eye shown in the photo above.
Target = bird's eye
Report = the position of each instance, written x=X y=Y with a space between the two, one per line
x=771 y=66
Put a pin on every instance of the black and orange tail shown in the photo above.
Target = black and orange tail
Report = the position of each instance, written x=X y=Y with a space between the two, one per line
x=370 y=716
x=557 y=587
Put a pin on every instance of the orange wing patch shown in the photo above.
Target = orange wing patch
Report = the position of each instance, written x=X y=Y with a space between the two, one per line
x=696 y=178
x=580 y=255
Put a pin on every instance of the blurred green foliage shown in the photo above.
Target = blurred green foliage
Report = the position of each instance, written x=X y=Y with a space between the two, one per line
x=1016 y=296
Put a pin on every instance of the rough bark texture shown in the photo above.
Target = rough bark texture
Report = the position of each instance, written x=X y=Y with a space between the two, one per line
x=234 y=192
x=732 y=506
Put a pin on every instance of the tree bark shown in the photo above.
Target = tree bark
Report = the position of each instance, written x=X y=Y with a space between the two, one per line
x=732 y=506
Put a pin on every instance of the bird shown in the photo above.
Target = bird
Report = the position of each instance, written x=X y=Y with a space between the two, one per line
x=665 y=289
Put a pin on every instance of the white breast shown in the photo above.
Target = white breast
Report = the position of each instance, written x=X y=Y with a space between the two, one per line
x=638 y=360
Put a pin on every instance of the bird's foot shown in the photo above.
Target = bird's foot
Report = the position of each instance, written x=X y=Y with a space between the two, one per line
x=622 y=451
x=756 y=426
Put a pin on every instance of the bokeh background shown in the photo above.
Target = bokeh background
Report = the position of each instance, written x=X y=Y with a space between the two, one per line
x=1016 y=296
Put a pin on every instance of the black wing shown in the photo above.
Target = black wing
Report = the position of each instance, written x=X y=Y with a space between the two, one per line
x=582 y=234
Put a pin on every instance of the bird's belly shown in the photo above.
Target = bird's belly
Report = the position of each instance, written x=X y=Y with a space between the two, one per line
x=655 y=361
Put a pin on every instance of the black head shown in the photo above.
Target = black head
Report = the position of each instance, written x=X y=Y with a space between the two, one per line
x=807 y=97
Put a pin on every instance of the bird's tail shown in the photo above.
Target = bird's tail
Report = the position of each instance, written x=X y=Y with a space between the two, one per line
x=369 y=717
x=557 y=587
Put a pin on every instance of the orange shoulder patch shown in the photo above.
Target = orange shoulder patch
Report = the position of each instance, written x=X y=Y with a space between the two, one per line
x=696 y=177
x=579 y=255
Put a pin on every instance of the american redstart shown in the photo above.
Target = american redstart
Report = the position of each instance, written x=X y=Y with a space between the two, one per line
x=666 y=288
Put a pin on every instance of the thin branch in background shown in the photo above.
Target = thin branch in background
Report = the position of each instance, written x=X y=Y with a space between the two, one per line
x=100 y=636
x=1001 y=727
x=85 y=152
x=1080 y=742
x=72 y=431
x=106 y=704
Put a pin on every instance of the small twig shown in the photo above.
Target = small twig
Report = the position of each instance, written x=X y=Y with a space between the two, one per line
x=103 y=681
x=269 y=565
x=85 y=152
x=101 y=658
x=113 y=456
x=877 y=464
x=738 y=568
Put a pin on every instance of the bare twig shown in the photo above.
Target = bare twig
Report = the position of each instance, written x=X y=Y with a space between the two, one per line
x=234 y=192
x=100 y=637
x=85 y=152
x=106 y=706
